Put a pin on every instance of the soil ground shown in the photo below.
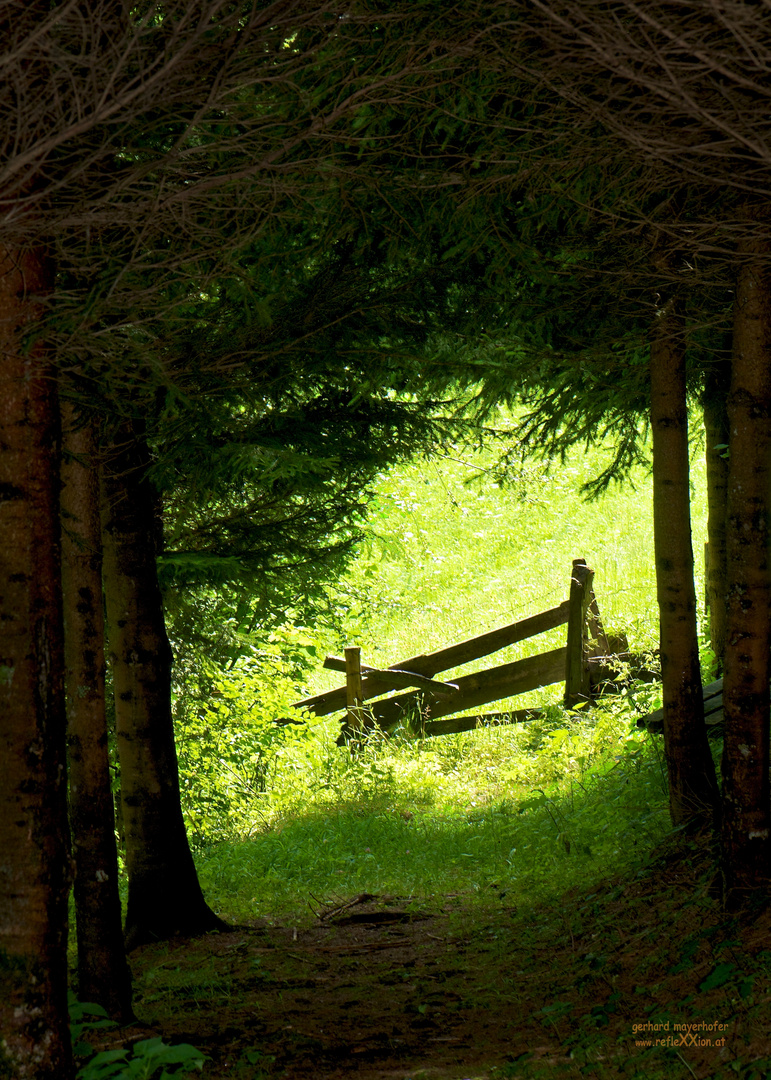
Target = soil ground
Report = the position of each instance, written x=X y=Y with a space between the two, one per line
x=380 y=988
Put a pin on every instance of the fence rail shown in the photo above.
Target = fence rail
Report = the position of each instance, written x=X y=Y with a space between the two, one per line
x=579 y=664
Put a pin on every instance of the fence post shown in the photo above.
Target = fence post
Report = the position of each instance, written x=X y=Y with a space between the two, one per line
x=601 y=646
x=354 y=696
x=577 y=666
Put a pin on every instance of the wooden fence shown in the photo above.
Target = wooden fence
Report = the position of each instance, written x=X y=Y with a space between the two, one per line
x=581 y=664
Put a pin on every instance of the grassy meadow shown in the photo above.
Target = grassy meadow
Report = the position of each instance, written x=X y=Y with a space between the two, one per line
x=517 y=811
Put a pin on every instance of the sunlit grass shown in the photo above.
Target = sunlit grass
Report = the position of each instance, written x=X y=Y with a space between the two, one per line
x=492 y=821
x=506 y=814
x=450 y=554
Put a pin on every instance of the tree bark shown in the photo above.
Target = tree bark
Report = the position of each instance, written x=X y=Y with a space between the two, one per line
x=34 y=1036
x=164 y=894
x=746 y=824
x=716 y=389
x=103 y=972
x=693 y=790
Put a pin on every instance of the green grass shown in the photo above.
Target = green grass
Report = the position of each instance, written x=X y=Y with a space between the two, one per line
x=450 y=554
x=446 y=561
x=504 y=814
x=477 y=829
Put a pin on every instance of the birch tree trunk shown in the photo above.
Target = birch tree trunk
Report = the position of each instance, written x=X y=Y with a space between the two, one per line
x=693 y=790
x=34 y=1036
x=103 y=972
x=164 y=894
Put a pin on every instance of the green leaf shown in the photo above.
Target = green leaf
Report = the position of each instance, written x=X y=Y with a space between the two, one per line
x=746 y=985
x=719 y=976
x=106 y=1064
x=531 y=804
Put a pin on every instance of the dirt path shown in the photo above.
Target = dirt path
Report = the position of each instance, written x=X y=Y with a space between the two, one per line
x=385 y=990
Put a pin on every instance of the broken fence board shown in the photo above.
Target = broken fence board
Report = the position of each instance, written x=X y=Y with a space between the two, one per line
x=456 y=724
x=477 y=689
x=428 y=664
x=713 y=709
x=401 y=680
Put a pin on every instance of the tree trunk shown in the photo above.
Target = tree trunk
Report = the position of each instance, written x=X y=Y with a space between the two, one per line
x=716 y=389
x=34 y=886
x=164 y=895
x=693 y=790
x=103 y=972
x=746 y=824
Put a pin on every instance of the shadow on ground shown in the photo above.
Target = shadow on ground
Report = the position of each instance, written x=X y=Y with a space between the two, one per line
x=381 y=988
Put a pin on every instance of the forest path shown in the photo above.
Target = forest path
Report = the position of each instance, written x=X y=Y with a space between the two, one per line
x=386 y=989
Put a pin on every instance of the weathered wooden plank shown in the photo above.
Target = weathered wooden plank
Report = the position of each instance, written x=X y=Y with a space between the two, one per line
x=601 y=646
x=577 y=686
x=399 y=680
x=652 y=721
x=713 y=703
x=713 y=710
x=481 y=687
x=456 y=724
x=353 y=693
x=428 y=664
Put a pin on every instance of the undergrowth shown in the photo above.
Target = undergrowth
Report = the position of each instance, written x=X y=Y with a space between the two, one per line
x=278 y=814
x=507 y=815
